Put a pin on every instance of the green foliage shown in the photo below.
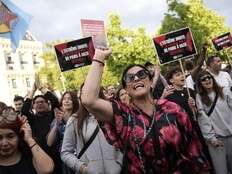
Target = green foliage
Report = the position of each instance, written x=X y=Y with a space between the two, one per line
x=205 y=24
x=51 y=76
x=129 y=46
x=135 y=46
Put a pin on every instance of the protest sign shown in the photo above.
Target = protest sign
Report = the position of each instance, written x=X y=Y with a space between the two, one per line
x=75 y=54
x=96 y=29
x=175 y=45
x=222 y=41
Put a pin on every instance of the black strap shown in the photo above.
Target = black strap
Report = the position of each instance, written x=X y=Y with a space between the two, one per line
x=124 y=169
x=87 y=144
x=157 y=142
x=213 y=105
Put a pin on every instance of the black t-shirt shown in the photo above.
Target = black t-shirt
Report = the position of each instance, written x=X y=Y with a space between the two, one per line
x=181 y=98
x=24 y=166
x=158 y=91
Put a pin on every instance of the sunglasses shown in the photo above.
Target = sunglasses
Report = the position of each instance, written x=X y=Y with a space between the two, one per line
x=203 y=79
x=142 y=74
x=8 y=116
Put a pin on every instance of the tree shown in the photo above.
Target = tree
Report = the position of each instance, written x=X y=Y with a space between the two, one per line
x=129 y=46
x=49 y=74
x=205 y=24
x=52 y=77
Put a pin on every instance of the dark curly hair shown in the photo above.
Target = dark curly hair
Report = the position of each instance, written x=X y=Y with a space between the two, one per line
x=171 y=71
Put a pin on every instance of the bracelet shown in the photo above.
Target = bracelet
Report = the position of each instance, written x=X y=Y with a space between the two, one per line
x=33 y=145
x=98 y=61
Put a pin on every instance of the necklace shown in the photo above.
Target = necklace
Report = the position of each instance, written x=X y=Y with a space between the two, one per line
x=146 y=133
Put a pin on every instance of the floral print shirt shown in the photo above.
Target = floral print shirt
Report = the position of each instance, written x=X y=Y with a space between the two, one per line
x=175 y=148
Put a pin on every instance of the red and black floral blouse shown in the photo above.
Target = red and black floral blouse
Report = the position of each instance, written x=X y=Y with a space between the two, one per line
x=169 y=146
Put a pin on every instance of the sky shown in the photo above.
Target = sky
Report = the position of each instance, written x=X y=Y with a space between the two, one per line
x=60 y=19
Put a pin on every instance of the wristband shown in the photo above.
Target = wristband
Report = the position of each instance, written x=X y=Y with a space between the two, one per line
x=33 y=145
x=98 y=61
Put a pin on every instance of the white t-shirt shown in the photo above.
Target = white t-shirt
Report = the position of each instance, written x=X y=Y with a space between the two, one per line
x=223 y=79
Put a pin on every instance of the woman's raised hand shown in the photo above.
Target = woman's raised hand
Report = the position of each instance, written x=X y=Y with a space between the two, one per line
x=26 y=129
x=168 y=90
x=102 y=53
x=58 y=115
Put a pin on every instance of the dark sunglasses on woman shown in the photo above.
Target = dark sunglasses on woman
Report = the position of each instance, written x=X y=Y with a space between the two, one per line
x=204 y=78
x=142 y=74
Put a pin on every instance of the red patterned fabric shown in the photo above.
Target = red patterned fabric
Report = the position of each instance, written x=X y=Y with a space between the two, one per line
x=180 y=150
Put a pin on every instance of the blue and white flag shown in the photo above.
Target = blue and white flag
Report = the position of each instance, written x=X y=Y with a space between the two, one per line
x=13 y=22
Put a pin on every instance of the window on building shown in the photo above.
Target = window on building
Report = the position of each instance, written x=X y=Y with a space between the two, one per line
x=9 y=60
x=35 y=59
x=9 y=82
x=13 y=82
x=10 y=67
x=23 y=61
x=28 y=82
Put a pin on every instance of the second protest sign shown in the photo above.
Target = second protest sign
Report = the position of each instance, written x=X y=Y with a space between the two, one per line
x=175 y=45
x=75 y=54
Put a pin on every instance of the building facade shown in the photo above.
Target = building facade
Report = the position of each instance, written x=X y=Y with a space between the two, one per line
x=17 y=70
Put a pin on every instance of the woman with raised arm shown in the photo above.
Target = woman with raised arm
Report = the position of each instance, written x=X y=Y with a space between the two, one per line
x=155 y=137
x=19 y=152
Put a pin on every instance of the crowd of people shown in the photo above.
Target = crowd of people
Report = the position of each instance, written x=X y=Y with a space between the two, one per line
x=171 y=123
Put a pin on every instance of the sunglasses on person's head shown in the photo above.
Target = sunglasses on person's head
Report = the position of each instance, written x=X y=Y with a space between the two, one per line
x=142 y=74
x=204 y=78
x=8 y=116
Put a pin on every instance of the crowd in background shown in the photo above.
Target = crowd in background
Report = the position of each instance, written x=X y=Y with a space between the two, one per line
x=173 y=122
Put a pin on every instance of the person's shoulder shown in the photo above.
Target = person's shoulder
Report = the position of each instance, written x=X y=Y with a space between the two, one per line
x=223 y=73
x=227 y=90
x=72 y=119
x=118 y=105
